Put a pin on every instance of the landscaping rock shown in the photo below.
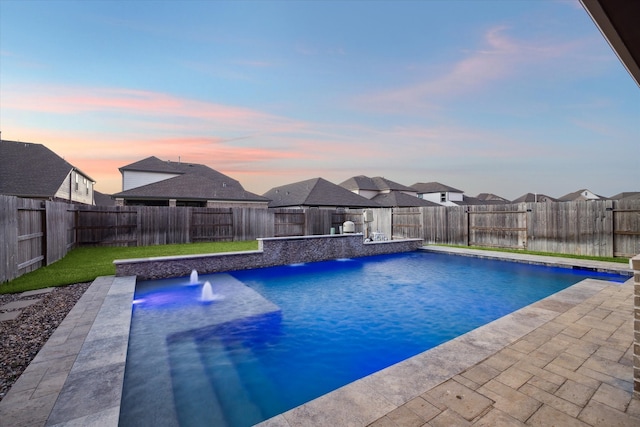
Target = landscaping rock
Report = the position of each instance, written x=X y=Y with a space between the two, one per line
x=23 y=336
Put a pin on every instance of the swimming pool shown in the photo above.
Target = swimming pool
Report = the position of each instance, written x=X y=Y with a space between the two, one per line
x=284 y=335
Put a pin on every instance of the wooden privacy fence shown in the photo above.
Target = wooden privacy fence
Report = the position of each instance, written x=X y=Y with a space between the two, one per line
x=35 y=233
x=595 y=228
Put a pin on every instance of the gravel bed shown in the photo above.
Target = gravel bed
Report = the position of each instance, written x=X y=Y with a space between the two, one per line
x=23 y=337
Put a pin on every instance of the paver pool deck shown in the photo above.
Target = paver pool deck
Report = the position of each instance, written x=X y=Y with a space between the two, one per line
x=566 y=360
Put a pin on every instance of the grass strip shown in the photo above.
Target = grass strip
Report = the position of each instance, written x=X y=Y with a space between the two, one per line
x=84 y=264
x=522 y=251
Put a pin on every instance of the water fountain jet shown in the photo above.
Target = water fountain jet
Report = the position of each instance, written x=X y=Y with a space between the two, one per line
x=193 y=280
x=207 y=293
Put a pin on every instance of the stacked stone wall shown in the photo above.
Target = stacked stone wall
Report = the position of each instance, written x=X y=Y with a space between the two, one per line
x=271 y=252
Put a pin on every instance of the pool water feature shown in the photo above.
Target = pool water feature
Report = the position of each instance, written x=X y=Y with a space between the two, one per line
x=285 y=335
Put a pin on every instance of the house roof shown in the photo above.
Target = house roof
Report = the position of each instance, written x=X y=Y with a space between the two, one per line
x=154 y=164
x=101 y=199
x=398 y=199
x=534 y=197
x=433 y=187
x=467 y=200
x=377 y=183
x=577 y=195
x=316 y=192
x=193 y=182
x=626 y=195
x=32 y=170
x=490 y=198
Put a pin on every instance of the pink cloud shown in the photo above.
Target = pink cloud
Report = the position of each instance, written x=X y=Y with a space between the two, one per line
x=499 y=58
x=138 y=104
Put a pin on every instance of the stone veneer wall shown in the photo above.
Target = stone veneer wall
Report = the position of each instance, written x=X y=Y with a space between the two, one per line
x=635 y=266
x=272 y=251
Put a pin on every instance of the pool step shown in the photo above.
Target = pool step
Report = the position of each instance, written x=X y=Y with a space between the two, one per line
x=195 y=401
x=235 y=399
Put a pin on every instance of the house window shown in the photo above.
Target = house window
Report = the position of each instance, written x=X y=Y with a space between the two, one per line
x=443 y=197
x=76 y=182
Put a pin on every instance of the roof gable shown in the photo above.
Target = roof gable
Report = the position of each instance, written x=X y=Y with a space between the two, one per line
x=31 y=170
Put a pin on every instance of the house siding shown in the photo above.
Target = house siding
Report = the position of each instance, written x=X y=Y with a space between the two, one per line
x=134 y=179
x=369 y=194
x=437 y=198
x=76 y=187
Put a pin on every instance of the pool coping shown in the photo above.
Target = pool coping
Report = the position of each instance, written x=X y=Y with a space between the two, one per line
x=77 y=376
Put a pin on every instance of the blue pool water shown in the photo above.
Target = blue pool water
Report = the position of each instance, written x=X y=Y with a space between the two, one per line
x=278 y=337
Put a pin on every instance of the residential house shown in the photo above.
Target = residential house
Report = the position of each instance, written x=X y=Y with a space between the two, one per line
x=384 y=191
x=534 y=198
x=371 y=187
x=154 y=182
x=318 y=193
x=33 y=171
x=580 y=195
x=439 y=193
x=491 y=199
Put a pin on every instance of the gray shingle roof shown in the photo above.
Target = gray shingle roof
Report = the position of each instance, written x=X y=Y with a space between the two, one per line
x=433 y=187
x=194 y=182
x=101 y=199
x=153 y=164
x=576 y=196
x=397 y=199
x=533 y=197
x=31 y=170
x=629 y=195
x=377 y=183
x=491 y=198
x=316 y=192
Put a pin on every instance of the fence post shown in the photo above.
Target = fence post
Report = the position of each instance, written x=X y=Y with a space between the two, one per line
x=43 y=227
x=468 y=230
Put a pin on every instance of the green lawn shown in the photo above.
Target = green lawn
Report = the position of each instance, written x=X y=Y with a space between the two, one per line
x=85 y=264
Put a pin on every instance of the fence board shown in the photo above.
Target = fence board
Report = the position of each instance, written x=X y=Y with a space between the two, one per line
x=31 y=238
x=406 y=223
x=212 y=224
x=59 y=230
x=497 y=226
x=289 y=222
x=626 y=229
x=8 y=238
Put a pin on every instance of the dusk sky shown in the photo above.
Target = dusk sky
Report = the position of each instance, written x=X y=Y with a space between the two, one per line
x=505 y=97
